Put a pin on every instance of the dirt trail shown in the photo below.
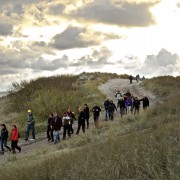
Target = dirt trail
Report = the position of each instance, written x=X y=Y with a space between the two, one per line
x=109 y=88
x=123 y=85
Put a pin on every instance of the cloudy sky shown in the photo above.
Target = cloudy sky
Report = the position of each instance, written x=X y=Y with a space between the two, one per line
x=49 y=37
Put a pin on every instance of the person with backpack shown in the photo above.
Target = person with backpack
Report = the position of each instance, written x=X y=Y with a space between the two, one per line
x=106 y=106
x=81 y=121
x=4 y=137
x=14 y=139
x=66 y=121
x=30 y=125
x=111 y=109
x=122 y=106
x=96 y=113
x=56 y=126
x=49 y=129
x=73 y=118
x=118 y=95
x=86 y=114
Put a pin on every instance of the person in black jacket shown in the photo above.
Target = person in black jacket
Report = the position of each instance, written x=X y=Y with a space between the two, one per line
x=136 y=105
x=145 y=101
x=122 y=106
x=111 y=109
x=49 y=129
x=106 y=106
x=66 y=121
x=73 y=118
x=86 y=114
x=81 y=120
x=96 y=112
x=4 y=137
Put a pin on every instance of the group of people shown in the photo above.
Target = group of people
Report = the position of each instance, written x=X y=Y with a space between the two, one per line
x=13 y=138
x=126 y=102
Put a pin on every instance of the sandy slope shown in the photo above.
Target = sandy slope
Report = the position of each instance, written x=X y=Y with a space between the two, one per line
x=109 y=88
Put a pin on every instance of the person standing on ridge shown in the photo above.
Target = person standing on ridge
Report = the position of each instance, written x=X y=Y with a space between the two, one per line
x=130 y=78
x=30 y=125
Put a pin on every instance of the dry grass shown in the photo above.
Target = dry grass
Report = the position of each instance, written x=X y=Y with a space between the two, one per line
x=141 y=147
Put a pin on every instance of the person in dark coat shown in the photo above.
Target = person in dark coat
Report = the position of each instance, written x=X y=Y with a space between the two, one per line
x=96 y=113
x=81 y=120
x=136 y=105
x=122 y=106
x=14 y=139
x=111 y=109
x=86 y=114
x=145 y=101
x=73 y=118
x=56 y=126
x=4 y=137
x=49 y=129
x=130 y=78
x=66 y=121
x=106 y=106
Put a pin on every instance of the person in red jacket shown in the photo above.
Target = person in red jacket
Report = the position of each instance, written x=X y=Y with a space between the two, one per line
x=14 y=139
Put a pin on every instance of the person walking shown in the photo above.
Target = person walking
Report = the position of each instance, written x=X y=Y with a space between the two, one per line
x=81 y=121
x=4 y=137
x=30 y=125
x=14 y=139
x=128 y=104
x=49 y=129
x=130 y=78
x=122 y=106
x=111 y=109
x=118 y=95
x=136 y=105
x=56 y=126
x=106 y=106
x=86 y=114
x=73 y=118
x=145 y=101
x=96 y=113
x=66 y=121
x=137 y=78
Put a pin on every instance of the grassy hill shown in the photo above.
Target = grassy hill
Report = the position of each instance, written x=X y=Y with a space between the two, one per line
x=142 y=147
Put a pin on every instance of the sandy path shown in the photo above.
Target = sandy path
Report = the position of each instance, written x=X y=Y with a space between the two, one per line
x=123 y=85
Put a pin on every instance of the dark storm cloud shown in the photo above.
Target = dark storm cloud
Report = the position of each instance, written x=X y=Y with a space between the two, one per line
x=72 y=37
x=121 y=13
x=50 y=65
x=6 y=29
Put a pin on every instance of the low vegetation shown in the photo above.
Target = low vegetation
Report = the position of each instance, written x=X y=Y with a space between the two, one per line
x=141 y=147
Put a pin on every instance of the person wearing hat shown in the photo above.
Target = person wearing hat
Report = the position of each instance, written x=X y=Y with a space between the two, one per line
x=30 y=125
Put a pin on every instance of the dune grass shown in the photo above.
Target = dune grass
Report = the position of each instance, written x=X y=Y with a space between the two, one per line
x=141 y=147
